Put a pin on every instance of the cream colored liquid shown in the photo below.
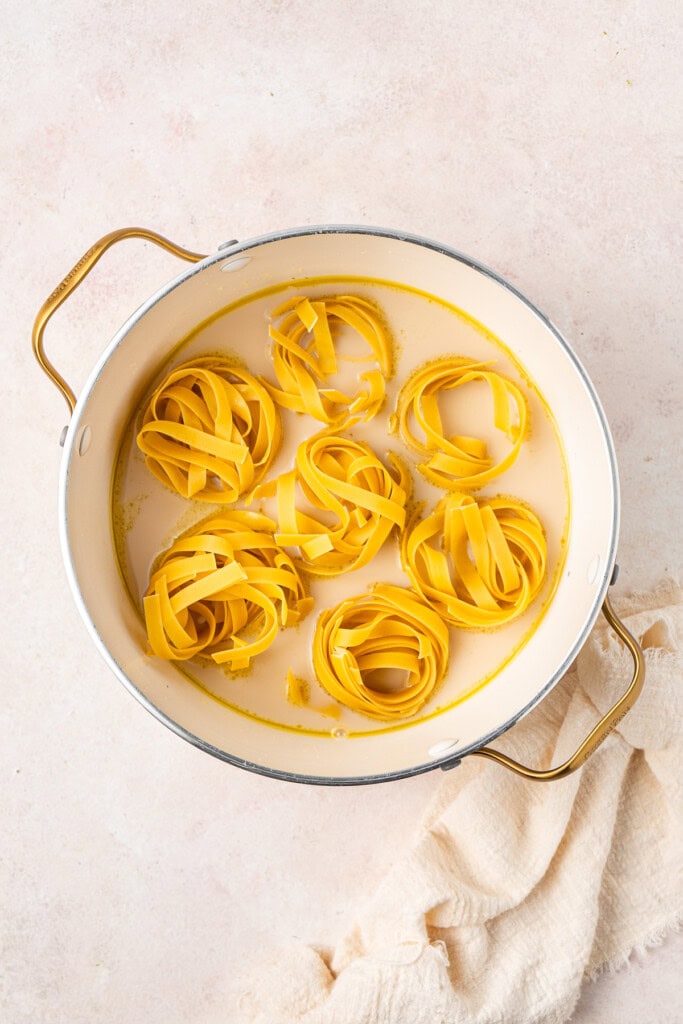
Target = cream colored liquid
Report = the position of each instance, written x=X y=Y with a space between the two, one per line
x=147 y=517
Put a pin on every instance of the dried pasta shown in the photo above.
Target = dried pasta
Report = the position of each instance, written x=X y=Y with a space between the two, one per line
x=297 y=692
x=458 y=461
x=347 y=482
x=305 y=357
x=223 y=590
x=363 y=643
x=478 y=562
x=210 y=431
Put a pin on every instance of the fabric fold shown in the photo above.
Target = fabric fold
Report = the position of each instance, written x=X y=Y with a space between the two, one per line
x=515 y=891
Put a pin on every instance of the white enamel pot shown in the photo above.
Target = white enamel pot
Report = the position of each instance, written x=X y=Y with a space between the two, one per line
x=122 y=375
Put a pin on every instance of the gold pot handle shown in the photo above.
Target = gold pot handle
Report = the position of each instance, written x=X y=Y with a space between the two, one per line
x=604 y=727
x=72 y=281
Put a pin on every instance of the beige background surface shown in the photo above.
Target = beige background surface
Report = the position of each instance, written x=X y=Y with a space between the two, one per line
x=136 y=873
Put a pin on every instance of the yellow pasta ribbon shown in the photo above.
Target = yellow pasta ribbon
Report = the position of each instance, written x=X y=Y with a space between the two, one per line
x=223 y=590
x=458 y=461
x=297 y=693
x=210 y=431
x=363 y=643
x=346 y=480
x=305 y=357
x=478 y=562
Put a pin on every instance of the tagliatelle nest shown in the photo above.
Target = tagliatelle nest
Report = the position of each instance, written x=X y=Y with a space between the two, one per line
x=223 y=590
x=478 y=562
x=362 y=645
x=210 y=431
x=305 y=357
x=346 y=480
x=458 y=461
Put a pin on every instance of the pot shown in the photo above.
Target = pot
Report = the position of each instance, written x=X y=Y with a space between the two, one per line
x=112 y=398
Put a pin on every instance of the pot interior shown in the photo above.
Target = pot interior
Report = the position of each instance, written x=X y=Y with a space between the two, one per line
x=524 y=662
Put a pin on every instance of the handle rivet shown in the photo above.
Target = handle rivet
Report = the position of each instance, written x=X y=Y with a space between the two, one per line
x=232 y=265
x=593 y=570
x=84 y=443
x=62 y=436
x=442 y=747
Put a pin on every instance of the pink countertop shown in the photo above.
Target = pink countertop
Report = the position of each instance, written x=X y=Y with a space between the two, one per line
x=137 y=874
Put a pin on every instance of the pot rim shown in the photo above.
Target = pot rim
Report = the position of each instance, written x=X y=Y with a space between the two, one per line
x=449 y=760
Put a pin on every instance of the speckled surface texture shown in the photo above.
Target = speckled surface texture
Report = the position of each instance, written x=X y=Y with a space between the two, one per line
x=136 y=872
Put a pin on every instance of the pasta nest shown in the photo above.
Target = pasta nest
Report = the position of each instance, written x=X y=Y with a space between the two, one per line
x=347 y=482
x=458 y=461
x=364 y=642
x=223 y=590
x=305 y=357
x=479 y=562
x=210 y=431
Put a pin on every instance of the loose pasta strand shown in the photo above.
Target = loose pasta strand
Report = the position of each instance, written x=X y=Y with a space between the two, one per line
x=210 y=431
x=363 y=639
x=458 y=461
x=223 y=590
x=305 y=357
x=478 y=562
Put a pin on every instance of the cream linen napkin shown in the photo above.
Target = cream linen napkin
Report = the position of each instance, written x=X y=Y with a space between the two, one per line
x=515 y=891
